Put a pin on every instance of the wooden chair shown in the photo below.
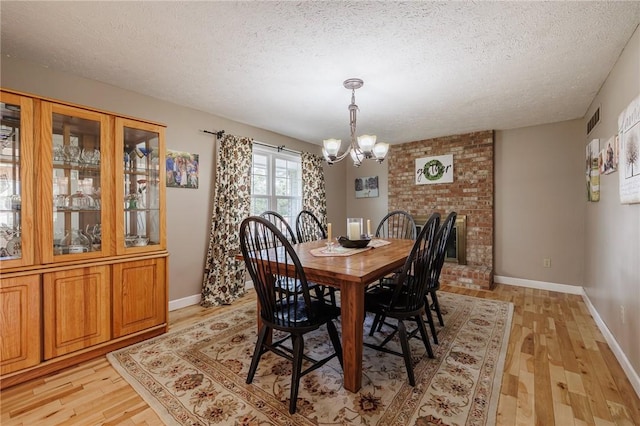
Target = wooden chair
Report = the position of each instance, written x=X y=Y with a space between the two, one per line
x=406 y=300
x=439 y=254
x=397 y=224
x=309 y=227
x=281 y=223
x=432 y=226
x=283 y=306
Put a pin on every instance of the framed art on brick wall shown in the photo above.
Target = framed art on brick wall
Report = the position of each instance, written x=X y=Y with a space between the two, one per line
x=438 y=169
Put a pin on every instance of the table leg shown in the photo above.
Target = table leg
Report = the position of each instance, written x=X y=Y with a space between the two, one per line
x=352 y=316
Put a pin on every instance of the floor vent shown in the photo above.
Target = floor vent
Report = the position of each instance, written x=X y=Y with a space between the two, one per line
x=595 y=119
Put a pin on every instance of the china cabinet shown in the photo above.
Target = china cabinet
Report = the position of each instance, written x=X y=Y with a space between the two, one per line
x=83 y=260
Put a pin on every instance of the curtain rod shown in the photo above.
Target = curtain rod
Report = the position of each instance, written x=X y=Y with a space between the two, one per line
x=279 y=148
x=218 y=133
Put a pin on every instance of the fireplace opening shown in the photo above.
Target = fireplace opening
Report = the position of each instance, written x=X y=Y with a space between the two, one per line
x=457 y=246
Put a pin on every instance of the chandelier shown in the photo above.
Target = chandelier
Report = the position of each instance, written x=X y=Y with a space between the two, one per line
x=361 y=148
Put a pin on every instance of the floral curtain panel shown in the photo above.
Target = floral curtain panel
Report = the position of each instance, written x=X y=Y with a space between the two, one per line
x=224 y=275
x=314 y=196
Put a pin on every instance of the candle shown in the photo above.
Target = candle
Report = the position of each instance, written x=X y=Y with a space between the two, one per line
x=368 y=227
x=353 y=233
x=329 y=232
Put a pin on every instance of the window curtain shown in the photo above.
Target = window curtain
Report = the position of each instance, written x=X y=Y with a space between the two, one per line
x=314 y=196
x=224 y=275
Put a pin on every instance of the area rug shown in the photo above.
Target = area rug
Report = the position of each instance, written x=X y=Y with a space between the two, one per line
x=196 y=375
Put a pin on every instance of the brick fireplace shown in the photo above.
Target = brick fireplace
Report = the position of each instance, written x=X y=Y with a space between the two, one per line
x=470 y=194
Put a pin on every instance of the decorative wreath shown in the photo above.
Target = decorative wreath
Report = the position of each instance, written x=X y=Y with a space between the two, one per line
x=437 y=165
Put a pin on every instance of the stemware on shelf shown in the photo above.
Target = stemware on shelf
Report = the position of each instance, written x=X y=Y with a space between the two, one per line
x=71 y=153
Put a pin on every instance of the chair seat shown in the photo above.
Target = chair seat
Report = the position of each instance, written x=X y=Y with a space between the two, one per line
x=292 y=285
x=297 y=314
x=378 y=302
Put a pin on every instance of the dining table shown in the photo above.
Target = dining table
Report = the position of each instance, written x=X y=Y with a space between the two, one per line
x=351 y=273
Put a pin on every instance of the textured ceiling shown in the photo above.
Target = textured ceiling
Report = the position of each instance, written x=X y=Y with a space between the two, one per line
x=430 y=68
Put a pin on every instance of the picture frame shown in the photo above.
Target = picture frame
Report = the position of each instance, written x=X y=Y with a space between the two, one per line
x=182 y=169
x=366 y=187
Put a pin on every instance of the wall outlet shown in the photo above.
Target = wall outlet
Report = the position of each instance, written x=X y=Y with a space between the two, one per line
x=546 y=262
x=622 y=314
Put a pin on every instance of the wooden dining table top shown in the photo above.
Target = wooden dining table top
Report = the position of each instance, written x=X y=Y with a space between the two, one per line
x=359 y=268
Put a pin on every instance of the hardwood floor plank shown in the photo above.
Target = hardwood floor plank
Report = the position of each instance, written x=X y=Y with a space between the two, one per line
x=507 y=410
x=526 y=401
x=33 y=401
x=574 y=383
x=542 y=384
x=38 y=415
x=600 y=422
x=124 y=411
x=581 y=407
x=566 y=350
x=512 y=360
x=562 y=413
x=559 y=386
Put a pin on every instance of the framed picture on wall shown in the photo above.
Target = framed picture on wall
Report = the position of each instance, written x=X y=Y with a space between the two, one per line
x=629 y=163
x=592 y=171
x=182 y=169
x=367 y=187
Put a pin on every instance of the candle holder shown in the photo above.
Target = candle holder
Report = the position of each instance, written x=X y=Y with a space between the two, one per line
x=329 y=248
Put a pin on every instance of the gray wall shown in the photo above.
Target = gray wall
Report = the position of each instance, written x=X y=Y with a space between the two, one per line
x=539 y=203
x=612 y=230
x=367 y=208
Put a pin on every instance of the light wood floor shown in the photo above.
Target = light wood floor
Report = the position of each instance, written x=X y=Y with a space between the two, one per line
x=559 y=371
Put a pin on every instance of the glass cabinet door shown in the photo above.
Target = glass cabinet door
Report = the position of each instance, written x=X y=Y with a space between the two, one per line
x=16 y=191
x=141 y=193
x=77 y=190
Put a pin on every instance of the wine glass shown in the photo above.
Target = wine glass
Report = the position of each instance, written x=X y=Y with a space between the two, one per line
x=71 y=153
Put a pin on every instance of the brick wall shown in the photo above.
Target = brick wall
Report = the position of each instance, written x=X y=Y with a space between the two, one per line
x=471 y=194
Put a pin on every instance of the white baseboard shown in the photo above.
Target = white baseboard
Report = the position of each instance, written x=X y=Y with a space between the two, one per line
x=540 y=285
x=195 y=299
x=632 y=375
x=184 y=302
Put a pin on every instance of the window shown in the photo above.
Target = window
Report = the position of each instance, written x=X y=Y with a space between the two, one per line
x=276 y=183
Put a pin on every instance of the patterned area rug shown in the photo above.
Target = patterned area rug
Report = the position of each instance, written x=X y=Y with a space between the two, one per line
x=196 y=375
